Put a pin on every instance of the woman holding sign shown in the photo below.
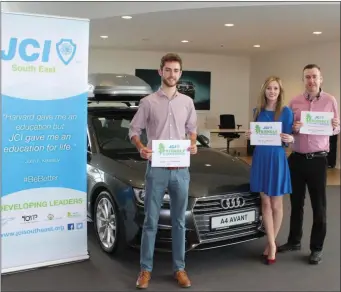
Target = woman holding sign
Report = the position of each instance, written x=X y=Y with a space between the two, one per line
x=270 y=173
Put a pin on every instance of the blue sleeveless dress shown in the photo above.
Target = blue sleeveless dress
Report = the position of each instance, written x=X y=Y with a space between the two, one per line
x=270 y=172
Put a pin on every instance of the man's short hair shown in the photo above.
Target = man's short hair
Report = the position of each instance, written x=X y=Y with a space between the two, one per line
x=311 y=66
x=170 y=57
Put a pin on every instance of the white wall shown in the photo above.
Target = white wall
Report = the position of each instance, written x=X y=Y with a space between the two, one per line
x=229 y=81
x=288 y=66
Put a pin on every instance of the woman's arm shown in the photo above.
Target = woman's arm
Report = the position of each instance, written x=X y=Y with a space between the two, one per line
x=288 y=121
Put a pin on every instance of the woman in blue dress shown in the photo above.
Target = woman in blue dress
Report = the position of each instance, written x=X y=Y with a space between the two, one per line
x=270 y=174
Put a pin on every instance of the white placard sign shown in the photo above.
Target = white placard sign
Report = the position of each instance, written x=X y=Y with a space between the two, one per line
x=317 y=123
x=266 y=133
x=171 y=153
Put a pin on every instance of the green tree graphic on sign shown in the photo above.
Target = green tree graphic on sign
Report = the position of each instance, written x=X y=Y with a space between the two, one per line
x=308 y=118
x=161 y=148
x=257 y=128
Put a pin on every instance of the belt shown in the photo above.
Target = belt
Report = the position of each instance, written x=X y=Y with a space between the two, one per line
x=312 y=155
x=175 y=168
x=170 y=168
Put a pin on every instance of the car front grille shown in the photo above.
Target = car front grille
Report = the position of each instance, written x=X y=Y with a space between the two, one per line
x=205 y=209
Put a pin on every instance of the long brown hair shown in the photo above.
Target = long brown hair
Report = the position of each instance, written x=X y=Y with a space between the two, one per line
x=262 y=100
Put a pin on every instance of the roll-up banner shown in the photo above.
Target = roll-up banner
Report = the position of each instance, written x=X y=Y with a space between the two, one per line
x=44 y=84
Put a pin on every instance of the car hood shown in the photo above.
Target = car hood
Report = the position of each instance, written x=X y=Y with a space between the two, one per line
x=212 y=172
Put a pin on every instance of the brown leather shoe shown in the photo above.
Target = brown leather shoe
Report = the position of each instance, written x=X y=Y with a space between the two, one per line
x=143 y=280
x=182 y=279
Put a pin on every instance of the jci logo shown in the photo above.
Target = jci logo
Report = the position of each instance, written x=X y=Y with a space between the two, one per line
x=31 y=50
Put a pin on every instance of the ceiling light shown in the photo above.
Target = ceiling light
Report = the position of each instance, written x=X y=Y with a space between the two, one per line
x=104 y=36
x=127 y=17
x=229 y=24
x=184 y=41
x=317 y=32
x=256 y=46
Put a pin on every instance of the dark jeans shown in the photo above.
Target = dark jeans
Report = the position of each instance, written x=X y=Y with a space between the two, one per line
x=311 y=173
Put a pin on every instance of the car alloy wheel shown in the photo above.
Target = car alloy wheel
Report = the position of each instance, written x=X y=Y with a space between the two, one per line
x=106 y=221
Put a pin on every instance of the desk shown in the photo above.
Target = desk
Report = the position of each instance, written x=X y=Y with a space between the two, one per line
x=222 y=131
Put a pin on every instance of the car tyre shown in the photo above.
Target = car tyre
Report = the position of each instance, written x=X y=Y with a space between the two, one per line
x=107 y=223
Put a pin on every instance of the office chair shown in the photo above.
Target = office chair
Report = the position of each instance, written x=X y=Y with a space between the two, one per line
x=228 y=122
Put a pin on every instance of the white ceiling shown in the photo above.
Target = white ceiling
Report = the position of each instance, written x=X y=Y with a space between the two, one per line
x=160 y=26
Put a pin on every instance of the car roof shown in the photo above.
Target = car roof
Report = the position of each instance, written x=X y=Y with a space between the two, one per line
x=110 y=93
x=106 y=85
x=110 y=108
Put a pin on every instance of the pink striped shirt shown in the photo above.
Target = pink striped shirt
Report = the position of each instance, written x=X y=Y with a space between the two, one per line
x=164 y=118
x=323 y=103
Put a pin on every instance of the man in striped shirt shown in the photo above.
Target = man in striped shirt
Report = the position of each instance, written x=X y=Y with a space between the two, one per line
x=166 y=115
x=308 y=164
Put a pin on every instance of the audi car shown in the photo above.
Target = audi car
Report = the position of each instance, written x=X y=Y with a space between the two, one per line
x=221 y=209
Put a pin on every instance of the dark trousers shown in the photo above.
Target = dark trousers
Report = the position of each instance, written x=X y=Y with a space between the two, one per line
x=311 y=173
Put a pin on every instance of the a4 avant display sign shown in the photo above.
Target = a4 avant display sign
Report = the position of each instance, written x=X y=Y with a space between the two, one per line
x=44 y=66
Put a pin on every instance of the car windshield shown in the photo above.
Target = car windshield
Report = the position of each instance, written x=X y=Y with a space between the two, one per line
x=112 y=132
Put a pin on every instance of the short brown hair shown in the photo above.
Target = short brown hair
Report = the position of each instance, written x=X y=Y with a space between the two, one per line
x=170 y=57
x=311 y=66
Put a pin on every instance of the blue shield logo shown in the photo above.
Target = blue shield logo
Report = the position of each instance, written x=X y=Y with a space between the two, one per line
x=66 y=50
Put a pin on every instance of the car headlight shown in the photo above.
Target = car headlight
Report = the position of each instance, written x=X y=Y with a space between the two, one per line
x=141 y=193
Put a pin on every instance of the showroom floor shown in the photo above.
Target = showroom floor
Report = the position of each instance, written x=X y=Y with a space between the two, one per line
x=236 y=268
